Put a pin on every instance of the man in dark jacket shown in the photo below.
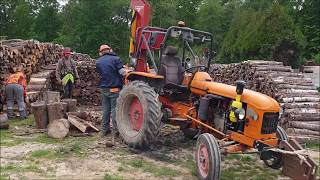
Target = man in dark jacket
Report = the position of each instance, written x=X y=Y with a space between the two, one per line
x=111 y=70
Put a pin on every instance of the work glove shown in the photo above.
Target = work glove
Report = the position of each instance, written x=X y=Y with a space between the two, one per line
x=59 y=82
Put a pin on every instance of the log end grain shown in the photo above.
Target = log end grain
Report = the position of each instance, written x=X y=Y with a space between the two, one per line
x=58 y=128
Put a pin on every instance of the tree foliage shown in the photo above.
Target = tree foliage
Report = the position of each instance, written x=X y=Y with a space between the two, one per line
x=282 y=30
x=258 y=33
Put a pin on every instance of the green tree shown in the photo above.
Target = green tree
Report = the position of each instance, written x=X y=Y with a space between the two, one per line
x=215 y=17
x=48 y=22
x=257 y=33
x=164 y=13
x=91 y=23
x=7 y=8
x=22 y=20
x=187 y=10
x=309 y=21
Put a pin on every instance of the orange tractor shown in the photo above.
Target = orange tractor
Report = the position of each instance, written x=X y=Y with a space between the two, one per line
x=170 y=84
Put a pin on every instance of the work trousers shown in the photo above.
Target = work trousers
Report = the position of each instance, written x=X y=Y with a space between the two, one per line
x=109 y=102
x=15 y=92
x=67 y=90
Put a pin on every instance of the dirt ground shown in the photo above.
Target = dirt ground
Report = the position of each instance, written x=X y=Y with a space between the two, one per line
x=29 y=154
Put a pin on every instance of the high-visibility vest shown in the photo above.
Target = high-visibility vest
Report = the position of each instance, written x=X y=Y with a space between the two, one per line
x=18 y=78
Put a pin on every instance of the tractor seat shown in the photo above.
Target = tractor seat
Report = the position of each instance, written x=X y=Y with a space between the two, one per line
x=172 y=70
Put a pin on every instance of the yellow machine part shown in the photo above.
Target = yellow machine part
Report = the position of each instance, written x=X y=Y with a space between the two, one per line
x=237 y=104
x=133 y=32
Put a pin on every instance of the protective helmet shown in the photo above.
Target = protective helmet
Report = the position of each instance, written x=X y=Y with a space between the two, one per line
x=104 y=47
x=67 y=52
x=181 y=24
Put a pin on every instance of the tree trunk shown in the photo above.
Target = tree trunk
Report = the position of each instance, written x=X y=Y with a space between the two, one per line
x=39 y=110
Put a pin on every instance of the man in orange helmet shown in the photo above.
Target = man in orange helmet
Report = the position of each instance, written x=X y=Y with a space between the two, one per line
x=15 y=89
x=67 y=73
x=111 y=70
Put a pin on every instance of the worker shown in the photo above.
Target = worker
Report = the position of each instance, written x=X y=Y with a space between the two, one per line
x=15 y=89
x=66 y=73
x=112 y=71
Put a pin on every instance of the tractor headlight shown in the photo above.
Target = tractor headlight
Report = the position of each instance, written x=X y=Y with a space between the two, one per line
x=251 y=113
x=240 y=113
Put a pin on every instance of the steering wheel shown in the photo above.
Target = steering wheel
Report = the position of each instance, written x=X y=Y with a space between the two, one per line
x=189 y=70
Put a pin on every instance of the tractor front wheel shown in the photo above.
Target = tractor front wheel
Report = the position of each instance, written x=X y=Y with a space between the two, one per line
x=138 y=114
x=208 y=157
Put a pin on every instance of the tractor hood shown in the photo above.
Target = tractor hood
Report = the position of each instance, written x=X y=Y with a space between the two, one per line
x=202 y=84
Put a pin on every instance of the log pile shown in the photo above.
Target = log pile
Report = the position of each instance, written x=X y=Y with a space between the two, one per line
x=81 y=57
x=295 y=93
x=87 y=91
x=31 y=54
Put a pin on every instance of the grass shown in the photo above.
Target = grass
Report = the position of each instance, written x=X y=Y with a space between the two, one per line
x=313 y=146
x=191 y=165
x=26 y=122
x=152 y=168
x=41 y=153
x=17 y=168
x=243 y=166
x=4 y=177
x=63 y=152
x=109 y=176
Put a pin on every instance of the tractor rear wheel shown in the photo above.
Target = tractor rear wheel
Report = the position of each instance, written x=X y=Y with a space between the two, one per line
x=138 y=114
x=208 y=157
x=276 y=161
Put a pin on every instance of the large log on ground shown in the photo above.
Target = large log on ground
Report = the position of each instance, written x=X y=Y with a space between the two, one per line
x=39 y=110
x=55 y=111
x=58 y=128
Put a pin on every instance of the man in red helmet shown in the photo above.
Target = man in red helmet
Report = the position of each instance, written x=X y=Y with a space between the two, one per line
x=111 y=70
x=67 y=73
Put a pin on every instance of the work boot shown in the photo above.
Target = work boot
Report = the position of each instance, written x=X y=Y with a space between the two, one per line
x=105 y=133
x=10 y=114
x=23 y=114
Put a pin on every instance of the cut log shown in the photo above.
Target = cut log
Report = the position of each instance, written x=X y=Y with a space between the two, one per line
x=58 y=128
x=72 y=104
x=52 y=96
x=39 y=110
x=55 y=111
x=301 y=99
x=304 y=117
x=306 y=139
x=305 y=125
x=302 y=131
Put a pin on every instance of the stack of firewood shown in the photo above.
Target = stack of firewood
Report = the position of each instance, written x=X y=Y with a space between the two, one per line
x=81 y=57
x=31 y=54
x=87 y=91
x=295 y=93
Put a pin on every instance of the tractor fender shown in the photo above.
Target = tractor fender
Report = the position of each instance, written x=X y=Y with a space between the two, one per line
x=154 y=80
